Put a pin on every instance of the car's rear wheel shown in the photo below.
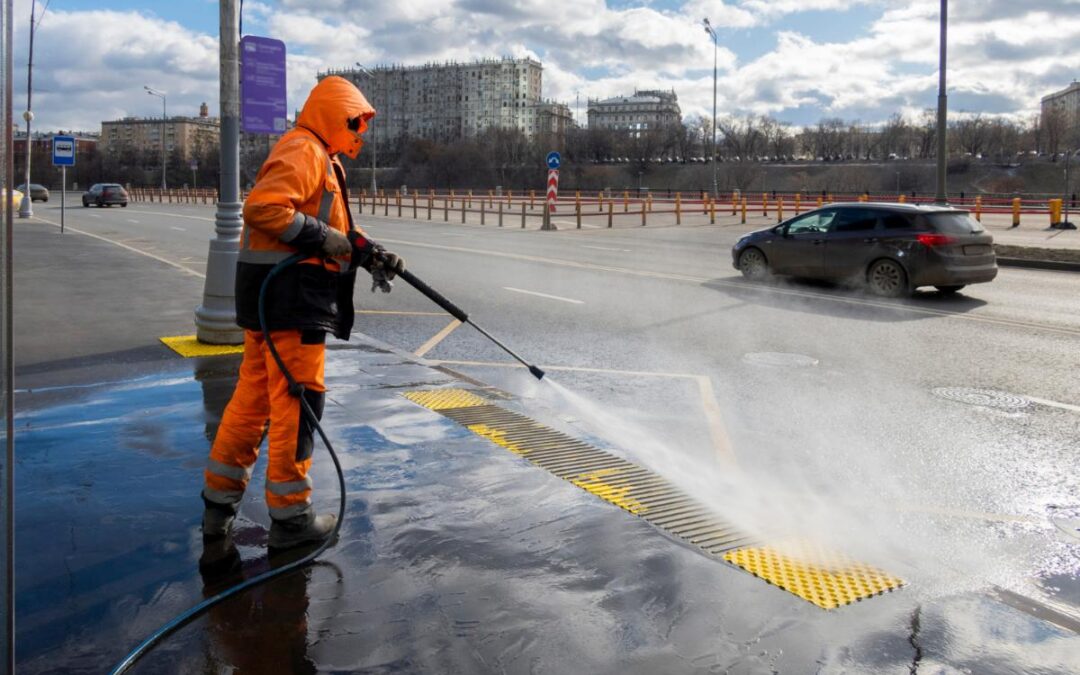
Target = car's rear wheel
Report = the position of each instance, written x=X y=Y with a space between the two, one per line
x=948 y=290
x=886 y=278
x=123 y=204
x=753 y=265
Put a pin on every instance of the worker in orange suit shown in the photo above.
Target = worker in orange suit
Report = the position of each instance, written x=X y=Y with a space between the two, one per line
x=299 y=204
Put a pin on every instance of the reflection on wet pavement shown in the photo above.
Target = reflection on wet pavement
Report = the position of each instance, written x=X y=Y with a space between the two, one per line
x=454 y=557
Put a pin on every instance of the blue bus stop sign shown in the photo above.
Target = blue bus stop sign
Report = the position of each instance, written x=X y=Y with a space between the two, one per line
x=63 y=151
x=554 y=160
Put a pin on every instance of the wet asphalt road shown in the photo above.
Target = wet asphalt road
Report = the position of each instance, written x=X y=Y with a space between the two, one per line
x=860 y=420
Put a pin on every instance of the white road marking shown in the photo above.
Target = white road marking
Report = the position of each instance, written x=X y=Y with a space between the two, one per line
x=130 y=220
x=545 y=295
x=170 y=263
x=93 y=215
x=605 y=248
x=732 y=282
x=437 y=338
x=171 y=227
x=1054 y=404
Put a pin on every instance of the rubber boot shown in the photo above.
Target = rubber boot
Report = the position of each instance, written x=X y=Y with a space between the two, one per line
x=301 y=530
x=217 y=519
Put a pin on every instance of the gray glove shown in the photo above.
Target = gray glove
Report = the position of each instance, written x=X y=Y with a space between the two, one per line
x=392 y=264
x=336 y=244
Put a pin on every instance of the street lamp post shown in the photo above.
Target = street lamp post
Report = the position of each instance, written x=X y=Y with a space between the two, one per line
x=942 y=110
x=26 y=207
x=712 y=33
x=164 y=121
x=374 y=136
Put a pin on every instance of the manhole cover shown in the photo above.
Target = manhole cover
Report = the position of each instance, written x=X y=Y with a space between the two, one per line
x=780 y=359
x=988 y=398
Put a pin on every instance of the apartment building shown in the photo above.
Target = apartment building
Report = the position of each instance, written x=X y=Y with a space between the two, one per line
x=644 y=110
x=1061 y=115
x=447 y=101
x=192 y=136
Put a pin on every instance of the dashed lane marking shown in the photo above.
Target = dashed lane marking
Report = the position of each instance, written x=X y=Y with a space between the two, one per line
x=171 y=227
x=741 y=285
x=158 y=258
x=606 y=248
x=545 y=295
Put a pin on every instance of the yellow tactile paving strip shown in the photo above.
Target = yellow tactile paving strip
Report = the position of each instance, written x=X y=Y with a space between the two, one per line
x=822 y=577
x=189 y=346
x=836 y=581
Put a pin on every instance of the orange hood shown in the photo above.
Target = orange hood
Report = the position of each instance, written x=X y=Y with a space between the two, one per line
x=329 y=106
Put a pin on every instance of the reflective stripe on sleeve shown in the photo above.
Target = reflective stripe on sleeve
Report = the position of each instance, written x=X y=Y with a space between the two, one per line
x=294 y=228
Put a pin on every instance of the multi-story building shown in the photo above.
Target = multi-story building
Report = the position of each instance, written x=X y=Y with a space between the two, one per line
x=643 y=111
x=547 y=119
x=191 y=136
x=1061 y=116
x=447 y=101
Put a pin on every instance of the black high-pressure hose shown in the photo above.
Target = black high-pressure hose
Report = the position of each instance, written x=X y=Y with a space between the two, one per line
x=297 y=390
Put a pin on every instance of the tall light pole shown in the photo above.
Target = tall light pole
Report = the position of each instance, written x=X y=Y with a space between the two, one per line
x=942 y=109
x=26 y=208
x=164 y=121
x=712 y=155
x=215 y=318
x=374 y=136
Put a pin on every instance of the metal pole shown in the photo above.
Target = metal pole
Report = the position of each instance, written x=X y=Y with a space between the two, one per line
x=942 y=109
x=26 y=207
x=63 y=196
x=7 y=153
x=713 y=33
x=1065 y=195
x=164 y=122
x=215 y=319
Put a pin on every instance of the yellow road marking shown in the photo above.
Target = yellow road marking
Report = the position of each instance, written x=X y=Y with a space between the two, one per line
x=444 y=399
x=827 y=579
x=593 y=482
x=189 y=346
x=437 y=338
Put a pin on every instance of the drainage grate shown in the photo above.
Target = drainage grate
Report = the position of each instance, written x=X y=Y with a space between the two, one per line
x=832 y=583
x=780 y=359
x=988 y=398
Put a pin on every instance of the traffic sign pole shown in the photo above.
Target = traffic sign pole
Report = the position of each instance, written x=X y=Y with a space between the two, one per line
x=63 y=156
x=554 y=161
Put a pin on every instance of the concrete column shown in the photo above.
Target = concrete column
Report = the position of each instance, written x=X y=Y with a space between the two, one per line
x=215 y=318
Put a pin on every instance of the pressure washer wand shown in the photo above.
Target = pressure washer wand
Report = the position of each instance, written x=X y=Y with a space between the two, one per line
x=461 y=316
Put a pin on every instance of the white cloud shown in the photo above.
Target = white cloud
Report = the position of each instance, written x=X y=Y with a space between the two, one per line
x=91 y=65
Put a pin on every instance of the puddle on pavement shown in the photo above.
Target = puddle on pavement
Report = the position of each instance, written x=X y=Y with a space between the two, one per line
x=455 y=556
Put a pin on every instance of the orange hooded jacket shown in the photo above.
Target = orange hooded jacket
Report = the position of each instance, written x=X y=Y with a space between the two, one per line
x=299 y=192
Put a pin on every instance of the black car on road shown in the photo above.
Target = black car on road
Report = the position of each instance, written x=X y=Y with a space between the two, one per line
x=892 y=249
x=105 y=194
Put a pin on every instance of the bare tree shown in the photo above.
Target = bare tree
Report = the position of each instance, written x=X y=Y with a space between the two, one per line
x=741 y=137
x=970 y=134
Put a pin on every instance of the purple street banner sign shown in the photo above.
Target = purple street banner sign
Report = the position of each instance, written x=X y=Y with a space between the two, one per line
x=262 y=85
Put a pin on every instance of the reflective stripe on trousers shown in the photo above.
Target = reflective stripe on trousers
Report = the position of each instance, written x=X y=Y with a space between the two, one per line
x=262 y=393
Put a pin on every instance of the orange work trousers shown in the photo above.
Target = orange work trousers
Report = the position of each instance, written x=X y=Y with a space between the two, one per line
x=262 y=396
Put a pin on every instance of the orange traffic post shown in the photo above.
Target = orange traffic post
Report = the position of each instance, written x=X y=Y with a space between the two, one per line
x=509 y=197
x=764 y=204
x=829 y=198
x=483 y=211
x=468 y=198
x=678 y=208
x=978 y=208
x=610 y=212
x=744 y=210
x=902 y=199
x=704 y=203
x=1016 y=212
x=798 y=202
x=779 y=209
x=451 y=199
x=626 y=201
x=414 y=205
x=648 y=201
x=712 y=211
x=600 y=202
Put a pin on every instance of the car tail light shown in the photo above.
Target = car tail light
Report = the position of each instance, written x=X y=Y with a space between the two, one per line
x=935 y=239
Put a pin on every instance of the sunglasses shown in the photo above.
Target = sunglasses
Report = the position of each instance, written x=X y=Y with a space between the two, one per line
x=357 y=125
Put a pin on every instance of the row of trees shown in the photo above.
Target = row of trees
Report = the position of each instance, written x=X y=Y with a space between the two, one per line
x=131 y=167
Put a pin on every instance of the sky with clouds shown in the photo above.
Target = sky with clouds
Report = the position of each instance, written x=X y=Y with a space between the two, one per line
x=797 y=60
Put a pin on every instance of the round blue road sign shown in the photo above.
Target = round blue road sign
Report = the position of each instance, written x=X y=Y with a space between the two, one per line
x=554 y=160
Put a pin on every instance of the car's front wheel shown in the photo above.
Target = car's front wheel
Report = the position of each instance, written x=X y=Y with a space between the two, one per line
x=887 y=279
x=753 y=265
x=123 y=204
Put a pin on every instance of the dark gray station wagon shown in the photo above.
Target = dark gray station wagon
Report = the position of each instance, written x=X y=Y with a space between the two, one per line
x=891 y=248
